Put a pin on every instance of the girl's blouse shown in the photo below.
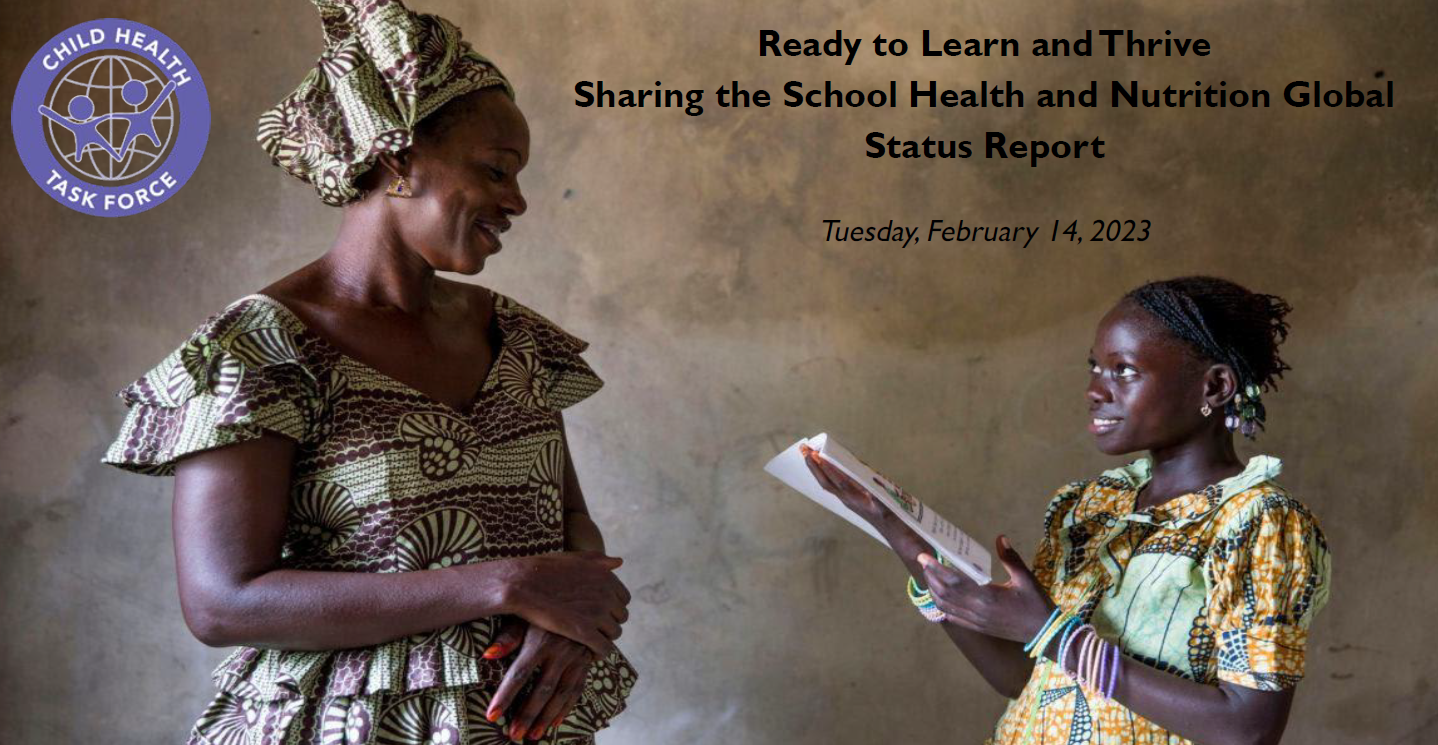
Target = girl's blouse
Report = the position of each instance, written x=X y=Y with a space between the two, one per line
x=385 y=479
x=1216 y=585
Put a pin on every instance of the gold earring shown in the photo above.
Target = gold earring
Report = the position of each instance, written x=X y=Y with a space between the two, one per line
x=399 y=187
x=1205 y=409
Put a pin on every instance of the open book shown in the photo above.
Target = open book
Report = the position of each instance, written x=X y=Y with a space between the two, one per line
x=955 y=545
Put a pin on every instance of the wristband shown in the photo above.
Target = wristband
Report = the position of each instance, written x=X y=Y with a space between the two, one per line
x=1046 y=632
x=923 y=600
x=1095 y=656
x=932 y=613
x=1113 y=673
x=1067 y=644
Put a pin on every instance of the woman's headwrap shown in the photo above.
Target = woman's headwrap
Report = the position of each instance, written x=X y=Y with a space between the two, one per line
x=383 y=70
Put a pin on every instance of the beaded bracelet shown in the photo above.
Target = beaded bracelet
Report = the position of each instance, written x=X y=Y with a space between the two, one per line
x=1098 y=661
x=1067 y=643
x=1067 y=634
x=923 y=600
x=919 y=598
x=1092 y=674
x=1113 y=673
x=1085 y=657
x=1040 y=642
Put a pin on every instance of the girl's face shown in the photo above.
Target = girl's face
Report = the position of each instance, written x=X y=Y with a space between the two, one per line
x=1145 y=387
x=465 y=185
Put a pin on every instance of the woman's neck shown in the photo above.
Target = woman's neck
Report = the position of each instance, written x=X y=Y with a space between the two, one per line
x=369 y=265
x=1189 y=467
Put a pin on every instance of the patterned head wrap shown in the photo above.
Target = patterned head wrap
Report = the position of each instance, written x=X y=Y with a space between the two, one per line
x=384 y=69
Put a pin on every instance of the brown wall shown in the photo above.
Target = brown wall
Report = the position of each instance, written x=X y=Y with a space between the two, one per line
x=688 y=251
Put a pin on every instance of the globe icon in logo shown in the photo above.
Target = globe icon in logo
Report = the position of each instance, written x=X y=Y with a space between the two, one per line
x=116 y=112
x=110 y=117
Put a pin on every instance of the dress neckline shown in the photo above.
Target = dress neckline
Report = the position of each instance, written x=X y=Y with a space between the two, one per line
x=1193 y=505
x=496 y=318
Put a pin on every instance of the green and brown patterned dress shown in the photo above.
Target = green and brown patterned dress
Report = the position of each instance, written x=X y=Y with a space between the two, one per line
x=386 y=479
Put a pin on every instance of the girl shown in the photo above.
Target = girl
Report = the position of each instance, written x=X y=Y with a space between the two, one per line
x=1170 y=599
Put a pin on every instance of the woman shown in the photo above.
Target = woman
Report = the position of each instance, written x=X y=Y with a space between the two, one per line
x=374 y=497
x=1169 y=599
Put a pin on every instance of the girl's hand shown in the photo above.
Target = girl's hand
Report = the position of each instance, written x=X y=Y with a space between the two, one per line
x=559 y=668
x=1014 y=610
x=834 y=481
x=574 y=594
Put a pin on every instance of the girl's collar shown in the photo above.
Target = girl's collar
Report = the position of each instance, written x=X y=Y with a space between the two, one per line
x=1186 y=508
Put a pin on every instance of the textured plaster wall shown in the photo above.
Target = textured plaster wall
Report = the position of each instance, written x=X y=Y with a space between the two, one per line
x=688 y=251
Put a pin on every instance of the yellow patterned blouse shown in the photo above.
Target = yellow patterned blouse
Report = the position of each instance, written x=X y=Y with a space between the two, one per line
x=1215 y=585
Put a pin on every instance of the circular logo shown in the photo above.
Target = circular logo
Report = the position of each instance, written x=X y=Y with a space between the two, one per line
x=110 y=117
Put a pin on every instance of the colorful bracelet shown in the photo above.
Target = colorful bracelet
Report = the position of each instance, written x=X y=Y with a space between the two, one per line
x=1066 y=634
x=1113 y=673
x=1097 y=666
x=919 y=597
x=1095 y=662
x=1044 y=641
x=1066 y=644
x=1040 y=642
x=923 y=600
x=1085 y=657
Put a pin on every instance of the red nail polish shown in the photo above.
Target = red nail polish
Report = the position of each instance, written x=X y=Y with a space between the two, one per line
x=493 y=651
x=491 y=715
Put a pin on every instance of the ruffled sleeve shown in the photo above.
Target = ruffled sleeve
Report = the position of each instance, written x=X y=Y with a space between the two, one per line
x=1046 y=561
x=1268 y=576
x=539 y=362
x=237 y=376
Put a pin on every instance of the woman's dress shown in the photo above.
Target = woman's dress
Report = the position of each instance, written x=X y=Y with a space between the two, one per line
x=1216 y=585
x=385 y=479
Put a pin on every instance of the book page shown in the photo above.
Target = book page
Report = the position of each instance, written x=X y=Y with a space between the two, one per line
x=946 y=538
x=790 y=468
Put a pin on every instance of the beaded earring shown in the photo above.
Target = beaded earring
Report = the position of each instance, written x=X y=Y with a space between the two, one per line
x=1245 y=412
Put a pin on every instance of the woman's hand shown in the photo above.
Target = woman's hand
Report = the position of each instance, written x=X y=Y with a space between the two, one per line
x=559 y=668
x=850 y=492
x=1015 y=610
x=574 y=594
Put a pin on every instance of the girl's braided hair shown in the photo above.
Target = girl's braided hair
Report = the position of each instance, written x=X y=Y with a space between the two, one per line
x=1225 y=323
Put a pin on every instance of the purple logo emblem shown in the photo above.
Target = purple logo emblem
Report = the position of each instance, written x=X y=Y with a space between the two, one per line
x=110 y=117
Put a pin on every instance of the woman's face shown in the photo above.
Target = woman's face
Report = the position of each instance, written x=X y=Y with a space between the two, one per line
x=1145 y=388
x=466 y=190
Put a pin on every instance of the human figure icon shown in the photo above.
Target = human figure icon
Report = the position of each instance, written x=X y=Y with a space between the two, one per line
x=140 y=122
x=85 y=129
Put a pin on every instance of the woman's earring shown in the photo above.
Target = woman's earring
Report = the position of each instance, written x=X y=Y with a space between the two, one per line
x=399 y=187
x=1205 y=409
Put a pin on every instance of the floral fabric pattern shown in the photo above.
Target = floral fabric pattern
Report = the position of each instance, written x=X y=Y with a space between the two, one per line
x=1219 y=585
x=385 y=479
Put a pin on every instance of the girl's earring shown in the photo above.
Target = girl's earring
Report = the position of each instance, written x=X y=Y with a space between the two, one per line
x=1205 y=409
x=400 y=187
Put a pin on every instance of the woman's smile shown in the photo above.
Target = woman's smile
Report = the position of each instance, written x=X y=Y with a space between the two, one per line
x=490 y=232
x=1102 y=425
